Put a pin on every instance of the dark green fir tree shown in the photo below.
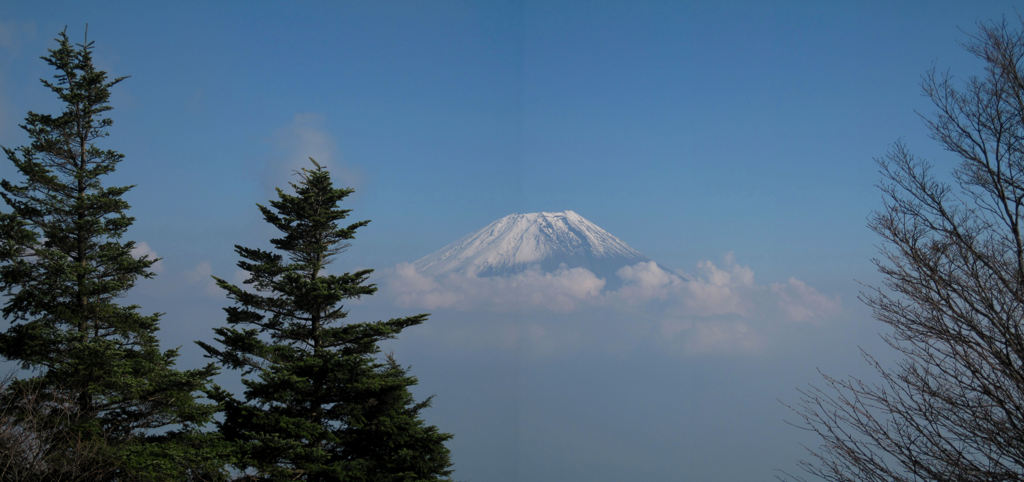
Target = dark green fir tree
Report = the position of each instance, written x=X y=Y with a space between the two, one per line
x=320 y=401
x=94 y=372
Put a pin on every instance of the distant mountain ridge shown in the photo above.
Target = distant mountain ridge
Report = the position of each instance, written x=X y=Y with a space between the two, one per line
x=519 y=241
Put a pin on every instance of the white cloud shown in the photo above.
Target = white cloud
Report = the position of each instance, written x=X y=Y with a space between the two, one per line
x=711 y=291
x=646 y=281
x=142 y=249
x=415 y=289
x=560 y=291
x=717 y=309
x=800 y=302
x=718 y=291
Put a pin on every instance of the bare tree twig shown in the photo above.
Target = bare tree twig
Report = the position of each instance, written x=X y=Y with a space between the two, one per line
x=953 y=296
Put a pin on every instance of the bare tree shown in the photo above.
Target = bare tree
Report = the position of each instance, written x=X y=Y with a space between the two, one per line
x=952 y=259
x=37 y=439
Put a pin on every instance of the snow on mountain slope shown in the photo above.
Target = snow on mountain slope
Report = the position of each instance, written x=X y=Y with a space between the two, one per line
x=545 y=239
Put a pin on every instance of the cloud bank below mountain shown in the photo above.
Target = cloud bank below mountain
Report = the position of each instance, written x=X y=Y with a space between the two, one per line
x=719 y=307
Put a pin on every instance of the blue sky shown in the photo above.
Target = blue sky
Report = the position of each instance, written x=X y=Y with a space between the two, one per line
x=688 y=129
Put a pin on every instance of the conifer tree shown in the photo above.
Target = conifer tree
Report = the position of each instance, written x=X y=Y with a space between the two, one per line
x=94 y=366
x=320 y=403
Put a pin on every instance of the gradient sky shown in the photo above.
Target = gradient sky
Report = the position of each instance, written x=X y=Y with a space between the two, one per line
x=690 y=130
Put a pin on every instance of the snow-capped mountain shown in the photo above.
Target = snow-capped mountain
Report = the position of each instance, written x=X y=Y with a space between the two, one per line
x=519 y=241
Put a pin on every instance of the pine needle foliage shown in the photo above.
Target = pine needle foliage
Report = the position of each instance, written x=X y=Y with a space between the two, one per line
x=320 y=402
x=63 y=266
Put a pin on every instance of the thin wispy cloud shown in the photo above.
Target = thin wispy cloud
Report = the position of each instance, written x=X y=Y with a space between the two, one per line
x=307 y=136
x=13 y=34
x=200 y=275
x=6 y=128
x=723 y=337
x=801 y=302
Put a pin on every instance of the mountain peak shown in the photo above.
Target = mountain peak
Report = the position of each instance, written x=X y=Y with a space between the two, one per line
x=545 y=239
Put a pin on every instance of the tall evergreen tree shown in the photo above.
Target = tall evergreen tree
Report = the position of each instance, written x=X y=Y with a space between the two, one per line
x=320 y=402
x=63 y=265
